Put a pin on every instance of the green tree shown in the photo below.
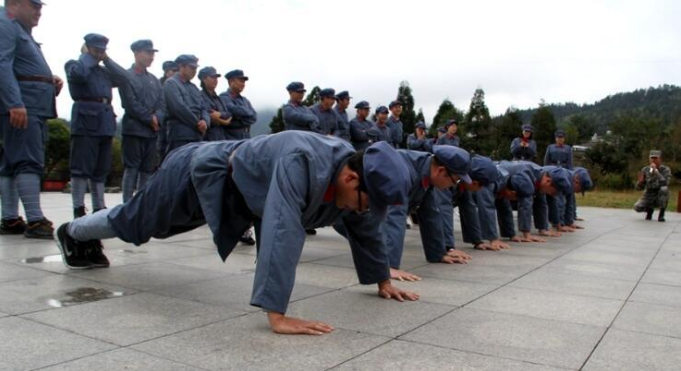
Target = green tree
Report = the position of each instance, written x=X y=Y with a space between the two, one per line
x=58 y=145
x=312 y=97
x=544 y=129
x=635 y=135
x=506 y=129
x=583 y=126
x=476 y=133
x=420 y=117
x=277 y=123
x=571 y=135
x=408 y=117
x=445 y=112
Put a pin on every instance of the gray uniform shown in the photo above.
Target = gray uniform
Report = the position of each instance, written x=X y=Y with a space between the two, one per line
x=215 y=103
x=423 y=145
x=185 y=107
x=25 y=81
x=449 y=140
x=142 y=99
x=559 y=155
x=360 y=133
x=423 y=200
x=243 y=116
x=328 y=120
x=280 y=182
x=343 y=124
x=93 y=122
x=397 y=131
x=656 y=189
x=382 y=134
x=299 y=117
x=520 y=152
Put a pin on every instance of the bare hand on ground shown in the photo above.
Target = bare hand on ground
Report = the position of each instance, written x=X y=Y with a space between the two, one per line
x=398 y=274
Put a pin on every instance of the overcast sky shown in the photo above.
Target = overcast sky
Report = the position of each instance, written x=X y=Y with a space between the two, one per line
x=518 y=51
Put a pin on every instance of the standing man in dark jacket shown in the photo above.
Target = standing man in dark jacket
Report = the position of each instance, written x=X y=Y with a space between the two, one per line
x=170 y=68
x=394 y=123
x=328 y=118
x=341 y=108
x=295 y=115
x=186 y=112
x=27 y=99
x=144 y=109
x=243 y=114
x=524 y=148
x=93 y=122
x=220 y=117
x=361 y=128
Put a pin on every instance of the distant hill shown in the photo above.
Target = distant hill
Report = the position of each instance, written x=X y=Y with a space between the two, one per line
x=262 y=126
x=663 y=102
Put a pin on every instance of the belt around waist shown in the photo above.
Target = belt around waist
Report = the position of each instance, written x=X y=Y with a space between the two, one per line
x=239 y=130
x=45 y=79
x=94 y=100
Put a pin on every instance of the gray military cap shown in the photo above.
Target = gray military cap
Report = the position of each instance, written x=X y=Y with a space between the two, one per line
x=655 y=153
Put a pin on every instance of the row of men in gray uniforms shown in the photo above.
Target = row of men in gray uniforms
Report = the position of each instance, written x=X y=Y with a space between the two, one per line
x=328 y=119
x=158 y=117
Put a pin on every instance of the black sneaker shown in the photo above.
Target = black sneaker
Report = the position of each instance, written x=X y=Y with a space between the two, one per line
x=73 y=253
x=78 y=212
x=311 y=232
x=41 y=229
x=95 y=255
x=649 y=214
x=247 y=238
x=13 y=226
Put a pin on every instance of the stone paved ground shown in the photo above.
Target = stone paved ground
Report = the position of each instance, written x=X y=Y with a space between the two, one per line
x=606 y=298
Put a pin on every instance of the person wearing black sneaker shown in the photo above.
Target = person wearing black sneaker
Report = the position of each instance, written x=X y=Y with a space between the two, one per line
x=283 y=183
x=27 y=100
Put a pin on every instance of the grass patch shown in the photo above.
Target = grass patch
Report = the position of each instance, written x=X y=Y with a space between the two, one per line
x=622 y=199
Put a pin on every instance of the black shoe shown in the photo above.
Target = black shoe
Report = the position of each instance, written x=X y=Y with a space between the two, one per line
x=78 y=212
x=649 y=214
x=73 y=253
x=13 y=226
x=247 y=239
x=660 y=216
x=42 y=229
x=96 y=256
x=311 y=232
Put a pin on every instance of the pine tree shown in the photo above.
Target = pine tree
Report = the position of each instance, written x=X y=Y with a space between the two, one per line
x=408 y=117
x=543 y=129
x=477 y=126
x=420 y=117
x=508 y=128
x=312 y=97
x=445 y=112
x=277 y=123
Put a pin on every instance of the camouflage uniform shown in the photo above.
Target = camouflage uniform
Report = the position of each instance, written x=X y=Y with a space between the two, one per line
x=656 y=185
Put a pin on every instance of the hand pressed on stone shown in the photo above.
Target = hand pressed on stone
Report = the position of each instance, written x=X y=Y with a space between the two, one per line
x=398 y=274
x=387 y=291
